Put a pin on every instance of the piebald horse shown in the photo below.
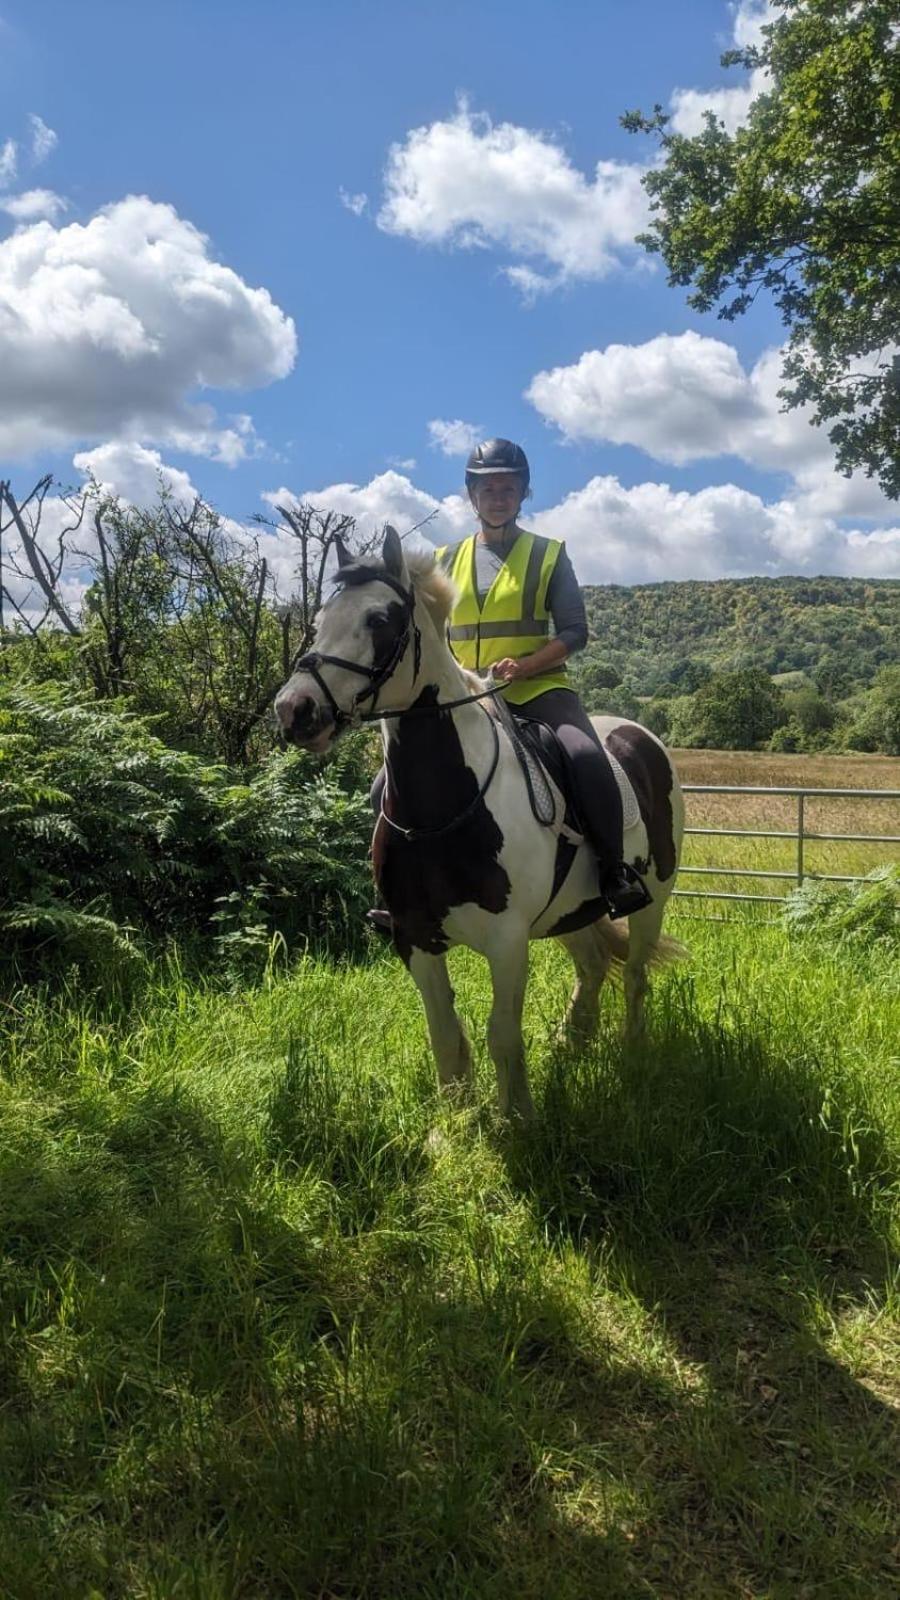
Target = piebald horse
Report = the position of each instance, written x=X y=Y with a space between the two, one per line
x=458 y=854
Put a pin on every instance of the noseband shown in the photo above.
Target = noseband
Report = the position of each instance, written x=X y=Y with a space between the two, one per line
x=377 y=676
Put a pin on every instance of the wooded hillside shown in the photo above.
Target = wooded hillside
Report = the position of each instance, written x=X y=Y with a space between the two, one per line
x=666 y=638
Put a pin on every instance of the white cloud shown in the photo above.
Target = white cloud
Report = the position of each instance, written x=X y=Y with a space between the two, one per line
x=454 y=438
x=34 y=204
x=133 y=473
x=9 y=162
x=646 y=534
x=731 y=105
x=651 y=533
x=357 y=203
x=43 y=139
x=467 y=183
x=108 y=327
x=677 y=397
x=389 y=497
x=685 y=398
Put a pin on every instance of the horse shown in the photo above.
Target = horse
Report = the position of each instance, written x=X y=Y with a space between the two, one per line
x=458 y=853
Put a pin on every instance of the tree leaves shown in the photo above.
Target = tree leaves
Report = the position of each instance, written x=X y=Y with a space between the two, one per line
x=802 y=204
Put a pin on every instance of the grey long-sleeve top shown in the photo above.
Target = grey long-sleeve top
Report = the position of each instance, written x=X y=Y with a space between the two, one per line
x=564 y=600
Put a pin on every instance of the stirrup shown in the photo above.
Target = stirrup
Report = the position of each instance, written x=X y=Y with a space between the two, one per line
x=625 y=892
x=381 y=921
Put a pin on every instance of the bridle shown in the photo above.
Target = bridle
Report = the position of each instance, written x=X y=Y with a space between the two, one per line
x=378 y=677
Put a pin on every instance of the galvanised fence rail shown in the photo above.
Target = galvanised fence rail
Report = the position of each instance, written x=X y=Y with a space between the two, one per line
x=800 y=834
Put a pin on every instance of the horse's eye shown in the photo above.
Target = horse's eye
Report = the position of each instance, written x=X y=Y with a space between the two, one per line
x=376 y=619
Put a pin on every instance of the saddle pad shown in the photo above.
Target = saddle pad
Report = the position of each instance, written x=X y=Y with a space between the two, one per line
x=631 y=812
x=539 y=742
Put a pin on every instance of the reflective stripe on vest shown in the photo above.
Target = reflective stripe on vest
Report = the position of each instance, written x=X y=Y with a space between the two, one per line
x=513 y=619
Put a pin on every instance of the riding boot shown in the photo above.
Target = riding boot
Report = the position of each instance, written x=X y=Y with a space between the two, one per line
x=624 y=890
x=381 y=921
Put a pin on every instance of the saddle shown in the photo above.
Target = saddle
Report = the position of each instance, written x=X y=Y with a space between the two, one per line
x=545 y=769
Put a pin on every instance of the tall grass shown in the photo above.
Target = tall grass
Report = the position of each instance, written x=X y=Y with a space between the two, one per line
x=277 y=1322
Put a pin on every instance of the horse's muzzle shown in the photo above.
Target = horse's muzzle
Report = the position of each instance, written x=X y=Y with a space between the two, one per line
x=304 y=721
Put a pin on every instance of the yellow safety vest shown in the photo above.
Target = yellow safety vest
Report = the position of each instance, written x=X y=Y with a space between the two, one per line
x=513 y=620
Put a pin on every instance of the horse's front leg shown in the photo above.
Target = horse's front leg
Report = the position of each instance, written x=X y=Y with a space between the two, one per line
x=448 y=1036
x=509 y=975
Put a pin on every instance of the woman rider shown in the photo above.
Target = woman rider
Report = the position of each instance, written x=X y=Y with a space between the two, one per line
x=511 y=585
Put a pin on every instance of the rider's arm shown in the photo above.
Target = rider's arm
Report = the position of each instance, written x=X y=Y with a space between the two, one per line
x=566 y=607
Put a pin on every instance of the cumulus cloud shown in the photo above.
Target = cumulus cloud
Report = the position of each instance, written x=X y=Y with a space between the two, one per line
x=454 y=438
x=43 y=139
x=649 y=533
x=132 y=472
x=686 y=397
x=389 y=497
x=730 y=105
x=108 y=327
x=34 y=204
x=468 y=183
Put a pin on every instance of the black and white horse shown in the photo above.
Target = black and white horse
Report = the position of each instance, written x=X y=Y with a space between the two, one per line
x=458 y=853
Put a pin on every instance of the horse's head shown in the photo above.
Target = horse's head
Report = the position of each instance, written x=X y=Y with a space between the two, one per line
x=366 y=650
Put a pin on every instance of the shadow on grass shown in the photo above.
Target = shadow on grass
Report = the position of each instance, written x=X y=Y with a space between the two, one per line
x=743 y=1200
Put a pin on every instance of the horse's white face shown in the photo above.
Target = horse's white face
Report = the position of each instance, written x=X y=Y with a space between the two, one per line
x=363 y=623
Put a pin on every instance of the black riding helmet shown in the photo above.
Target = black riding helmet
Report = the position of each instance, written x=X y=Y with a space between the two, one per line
x=498 y=455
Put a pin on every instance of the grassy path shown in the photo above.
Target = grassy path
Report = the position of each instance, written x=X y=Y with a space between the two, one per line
x=276 y=1323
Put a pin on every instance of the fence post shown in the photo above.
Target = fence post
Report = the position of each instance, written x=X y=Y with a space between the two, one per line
x=800 y=799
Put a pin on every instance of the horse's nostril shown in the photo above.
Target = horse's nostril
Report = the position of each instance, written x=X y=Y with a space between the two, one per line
x=294 y=711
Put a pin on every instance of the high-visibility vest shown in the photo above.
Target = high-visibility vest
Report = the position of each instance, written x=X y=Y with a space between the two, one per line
x=513 y=619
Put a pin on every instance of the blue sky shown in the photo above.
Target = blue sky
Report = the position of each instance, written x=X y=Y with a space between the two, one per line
x=353 y=226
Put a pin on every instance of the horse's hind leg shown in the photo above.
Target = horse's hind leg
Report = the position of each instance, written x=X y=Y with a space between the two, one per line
x=643 y=934
x=509 y=975
x=448 y=1037
x=591 y=958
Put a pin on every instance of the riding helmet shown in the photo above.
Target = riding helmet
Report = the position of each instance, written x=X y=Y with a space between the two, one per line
x=498 y=455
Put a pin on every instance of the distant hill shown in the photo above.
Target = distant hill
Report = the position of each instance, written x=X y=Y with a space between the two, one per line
x=666 y=637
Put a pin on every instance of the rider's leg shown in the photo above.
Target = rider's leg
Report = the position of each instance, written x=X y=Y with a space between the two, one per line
x=596 y=795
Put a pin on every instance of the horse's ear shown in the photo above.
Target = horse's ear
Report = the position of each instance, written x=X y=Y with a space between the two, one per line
x=392 y=552
x=343 y=554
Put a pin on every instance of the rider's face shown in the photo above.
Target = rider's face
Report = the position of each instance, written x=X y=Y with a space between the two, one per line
x=497 y=497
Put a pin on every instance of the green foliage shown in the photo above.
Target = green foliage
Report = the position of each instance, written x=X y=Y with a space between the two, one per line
x=802 y=202
x=665 y=641
x=861 y=914
x=738 y=710
x=107 y=836
x=877 y=726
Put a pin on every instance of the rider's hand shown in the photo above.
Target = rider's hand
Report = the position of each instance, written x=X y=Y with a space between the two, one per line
x=508 y=670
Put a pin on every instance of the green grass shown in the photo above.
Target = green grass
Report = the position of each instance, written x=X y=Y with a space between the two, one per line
x=275 y=1322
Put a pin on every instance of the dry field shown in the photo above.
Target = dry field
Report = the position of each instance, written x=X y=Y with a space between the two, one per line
x=778 y=813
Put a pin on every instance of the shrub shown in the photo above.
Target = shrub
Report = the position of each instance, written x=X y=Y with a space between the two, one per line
x=860 y=914
x=109 y=839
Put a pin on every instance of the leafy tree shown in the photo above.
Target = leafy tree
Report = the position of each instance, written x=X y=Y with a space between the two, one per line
x=878 y=725
x=803 y=202
x=738 y=710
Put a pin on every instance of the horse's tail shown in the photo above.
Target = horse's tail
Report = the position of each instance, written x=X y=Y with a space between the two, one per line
x=662 y=953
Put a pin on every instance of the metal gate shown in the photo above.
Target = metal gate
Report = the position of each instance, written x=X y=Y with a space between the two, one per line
x=800 y=834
